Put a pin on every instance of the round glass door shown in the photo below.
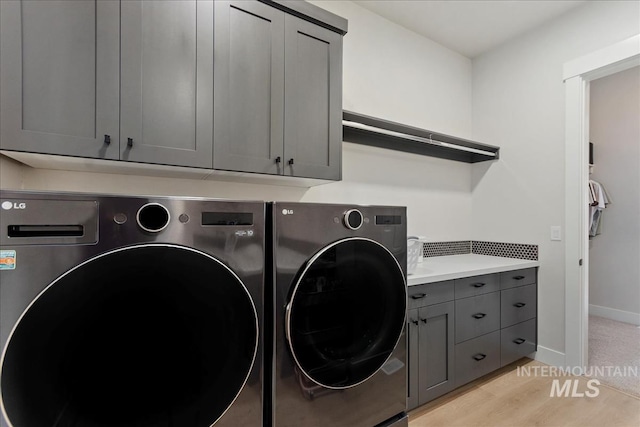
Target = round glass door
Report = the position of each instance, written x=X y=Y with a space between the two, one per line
x=147 y=335
x=346 y=312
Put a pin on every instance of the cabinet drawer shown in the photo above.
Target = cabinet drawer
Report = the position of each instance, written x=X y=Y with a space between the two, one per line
x=477 y=316
x=517 y=341
x=517 y=305
x=511 y=279
x=430 y=293
x=477 y=357
x=477 y=285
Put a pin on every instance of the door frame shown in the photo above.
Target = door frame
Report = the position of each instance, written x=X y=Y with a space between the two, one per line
x=577 y=74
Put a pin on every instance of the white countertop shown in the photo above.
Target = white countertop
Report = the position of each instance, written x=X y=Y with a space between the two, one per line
x=436 y=269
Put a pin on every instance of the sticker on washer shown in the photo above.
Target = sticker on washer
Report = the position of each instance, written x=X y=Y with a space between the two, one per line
x=7 y=260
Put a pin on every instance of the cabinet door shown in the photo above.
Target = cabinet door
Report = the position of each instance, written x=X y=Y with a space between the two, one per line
x=166 y=111
x=413 y=348
x=436 y=365
x=249 y=87
x=313 y=100
x=59 y=77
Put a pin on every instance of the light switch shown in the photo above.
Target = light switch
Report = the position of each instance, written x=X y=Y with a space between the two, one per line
x=556 y=232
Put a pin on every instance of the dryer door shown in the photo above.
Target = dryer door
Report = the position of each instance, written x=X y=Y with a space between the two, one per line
x=149 y=335
x=346 y=312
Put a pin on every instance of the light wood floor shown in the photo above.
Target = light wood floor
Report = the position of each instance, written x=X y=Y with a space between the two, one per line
x=506 y=399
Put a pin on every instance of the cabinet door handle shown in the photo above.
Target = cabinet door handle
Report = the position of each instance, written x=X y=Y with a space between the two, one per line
x=290 y=161
x=478 y=315
x=423 y=320
x=519 y=304
x=478 y=357
x=107 y=139
x=518 y=277
x=278 y=160
x=415 y=322
x=129 y=142
x=519 y=341
x=478 y=285
x=417 y=296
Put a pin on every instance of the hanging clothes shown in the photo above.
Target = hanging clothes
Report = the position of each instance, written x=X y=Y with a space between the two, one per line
x=598 y=201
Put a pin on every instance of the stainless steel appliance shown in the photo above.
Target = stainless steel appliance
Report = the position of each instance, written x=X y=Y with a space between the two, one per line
x=340 y=307
x=130 y=311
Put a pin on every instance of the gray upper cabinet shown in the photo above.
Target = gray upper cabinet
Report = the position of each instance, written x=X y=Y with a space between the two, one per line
x=244 y=86
x=313 y=100
x=249 y=87
x=166 y=113
x=278 y=93
x=59 y=77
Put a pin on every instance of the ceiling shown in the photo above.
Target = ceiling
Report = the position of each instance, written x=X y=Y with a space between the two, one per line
x=469 y=27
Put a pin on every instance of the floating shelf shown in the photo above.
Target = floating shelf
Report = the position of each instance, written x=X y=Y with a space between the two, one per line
x=366 y=130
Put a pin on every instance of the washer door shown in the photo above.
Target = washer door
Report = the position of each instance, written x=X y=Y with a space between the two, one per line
x=150 y=335
x=346 y=312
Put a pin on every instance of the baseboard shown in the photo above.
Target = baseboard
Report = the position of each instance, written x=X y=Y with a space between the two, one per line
x=548 y=356
x=614 y=314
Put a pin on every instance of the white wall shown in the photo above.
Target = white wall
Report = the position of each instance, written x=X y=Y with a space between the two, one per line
x=614 y=255
x=518 y=104
x=389 y=72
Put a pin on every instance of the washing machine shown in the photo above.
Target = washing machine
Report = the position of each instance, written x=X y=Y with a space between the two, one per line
x=339 y=286
x=130 y=311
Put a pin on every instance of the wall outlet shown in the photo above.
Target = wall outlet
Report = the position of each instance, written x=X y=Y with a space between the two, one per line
x=556 y=233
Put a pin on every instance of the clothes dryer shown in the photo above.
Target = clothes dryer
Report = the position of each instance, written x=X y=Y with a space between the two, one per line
x=130 y=311
x=340 y=297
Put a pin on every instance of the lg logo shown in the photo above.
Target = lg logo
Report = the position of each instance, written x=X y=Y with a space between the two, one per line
x=287 y=211
x=13 y=205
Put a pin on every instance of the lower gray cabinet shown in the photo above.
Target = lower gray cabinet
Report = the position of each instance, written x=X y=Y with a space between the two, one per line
x=517 y=341
x=477 y=316
x=494 y=325
x=477 y=357
x=435 y=369
x=430 y=353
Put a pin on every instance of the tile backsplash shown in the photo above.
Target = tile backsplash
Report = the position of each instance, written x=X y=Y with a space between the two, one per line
x=430 y=249
x=507 y=250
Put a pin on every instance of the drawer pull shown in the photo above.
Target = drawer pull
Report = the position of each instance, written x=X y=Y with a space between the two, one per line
x=519 y=304
x=478 y=315
x=478 y=357
x=518 y=277
x=519 y=341
x=418 y=296
x=478 y=285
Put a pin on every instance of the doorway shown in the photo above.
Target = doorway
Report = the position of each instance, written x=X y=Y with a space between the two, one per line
x=577 y=75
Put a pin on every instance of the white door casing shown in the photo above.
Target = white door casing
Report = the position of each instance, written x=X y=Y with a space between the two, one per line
x=577 y=75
